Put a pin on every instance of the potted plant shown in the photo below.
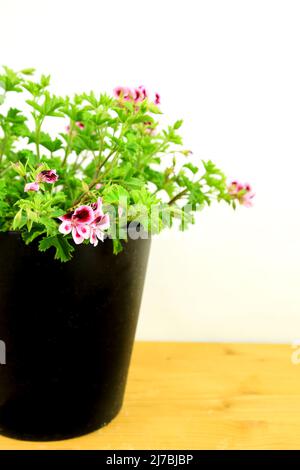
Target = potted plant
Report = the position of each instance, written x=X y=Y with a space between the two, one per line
x=84 y=183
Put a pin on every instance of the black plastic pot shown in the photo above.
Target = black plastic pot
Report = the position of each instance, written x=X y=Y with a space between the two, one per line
x=69 y=330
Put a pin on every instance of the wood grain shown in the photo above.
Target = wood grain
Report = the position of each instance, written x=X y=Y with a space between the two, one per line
x=201 y=396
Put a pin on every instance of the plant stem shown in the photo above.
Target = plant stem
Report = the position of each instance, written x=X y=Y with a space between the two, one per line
x=3 y=147
x=5 y=170
x=94 y=181
x=101 y=165
x=178 y=196
x=113 y=162
x=37 y=138
x=68 y=147
x=76 y=163
x=97 y=178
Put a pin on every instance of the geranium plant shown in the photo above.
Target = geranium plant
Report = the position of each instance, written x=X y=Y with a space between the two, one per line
x=78 y=169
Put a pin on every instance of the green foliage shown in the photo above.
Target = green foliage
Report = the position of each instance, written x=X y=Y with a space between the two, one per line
x=105 y=148
x=117 y=246
x=63 y=249
x=115 y=194
x=45 y=140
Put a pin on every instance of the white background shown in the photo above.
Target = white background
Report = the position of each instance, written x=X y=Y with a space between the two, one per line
x=231 y=70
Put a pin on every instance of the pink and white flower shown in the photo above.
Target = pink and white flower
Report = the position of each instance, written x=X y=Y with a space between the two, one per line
x=31 y=187
x=143 y=90
x=235 y=187
x=47 y=176
x=100 y=223
x=140 y=94
x=157 y=98
x=125 y=93
x=135 y=95
x=86 y=222
x=97 y=228
x=77 y=222
x=247 y=200
x=83 y=215
x=242 y=192
x=247 y=197
x=118 y=91
x=97 y=207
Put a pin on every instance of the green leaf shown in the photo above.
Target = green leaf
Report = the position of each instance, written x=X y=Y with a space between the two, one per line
x=29 y=71
x=143 y=197
x=194 y=169
x=51 y=145
x=117 y=246
x=51 y=105
x=45 y=81
x=134 y=183
x=28 y=237
x=178 y=124
x=115 y=194
x=154 y=109
x=121 y=114
x=155 y=177
x=34 y=105
x=91 y=98
x=19 y=168
x=140 y=118
x=14 y=116
x=33 y=88
x=172 y=136
x=10 y=81
x=27 y=157
x=46 y=141
x=18 y=221
x=63 y=249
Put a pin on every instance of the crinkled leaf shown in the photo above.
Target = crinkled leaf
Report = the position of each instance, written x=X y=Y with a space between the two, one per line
x=63 y=249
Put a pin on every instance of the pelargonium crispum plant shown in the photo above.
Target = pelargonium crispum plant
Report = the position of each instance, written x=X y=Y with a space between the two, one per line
x=110 y=165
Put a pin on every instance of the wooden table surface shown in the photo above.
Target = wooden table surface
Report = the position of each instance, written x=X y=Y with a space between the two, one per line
x=201 y=396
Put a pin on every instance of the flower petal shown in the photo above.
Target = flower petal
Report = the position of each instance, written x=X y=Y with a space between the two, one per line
x=157 y=98
x=65 y=227
x=47 y=176
x=76 y=236
x=104 y=222
x=143 y=91
x=83 y=215
x=67 y=216
x=31 y=187
x=93 y=238
x=84 y=231
x=97 y=207
x=100 y=235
